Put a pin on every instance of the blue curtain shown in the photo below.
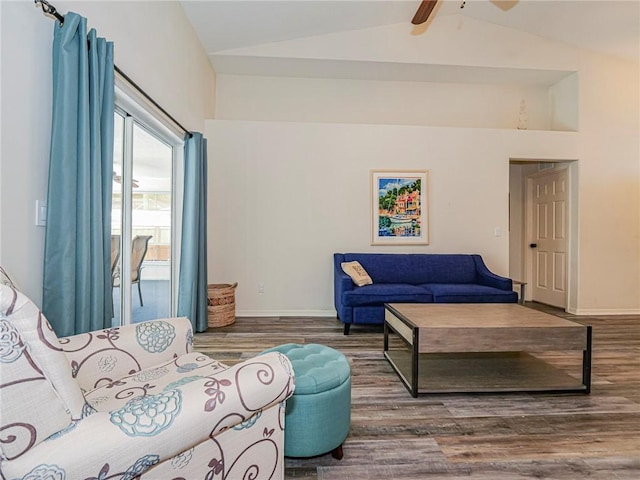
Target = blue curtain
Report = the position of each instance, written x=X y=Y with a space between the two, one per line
x=77 y=278
x=192 y=290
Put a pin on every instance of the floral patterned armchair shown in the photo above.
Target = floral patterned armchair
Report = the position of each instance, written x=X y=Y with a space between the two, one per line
x=133 y=403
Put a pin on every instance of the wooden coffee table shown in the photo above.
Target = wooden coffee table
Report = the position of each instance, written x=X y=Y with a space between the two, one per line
x=482 y=347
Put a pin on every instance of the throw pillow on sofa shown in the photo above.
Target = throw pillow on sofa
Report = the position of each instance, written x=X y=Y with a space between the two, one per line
x=357 y=273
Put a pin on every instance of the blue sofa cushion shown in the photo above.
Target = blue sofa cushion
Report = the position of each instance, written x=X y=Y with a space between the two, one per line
x=456 y=293
x=377 y=294
x=416 y=269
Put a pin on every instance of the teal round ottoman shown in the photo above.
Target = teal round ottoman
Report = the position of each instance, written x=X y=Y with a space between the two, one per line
x=318 y=415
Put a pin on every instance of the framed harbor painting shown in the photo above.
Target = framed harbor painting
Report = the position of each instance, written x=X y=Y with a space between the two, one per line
x=400 y=210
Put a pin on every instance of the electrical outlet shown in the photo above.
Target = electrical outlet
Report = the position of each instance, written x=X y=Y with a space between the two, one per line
x=260 y=287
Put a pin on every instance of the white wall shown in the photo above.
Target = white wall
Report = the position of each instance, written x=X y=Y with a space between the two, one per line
x=609 y=218
x=516 y=221
x=154 y=45
x=263 y=169
x=285 y=196
x=459 y=72
x=563 y=104
x=26 y=126
x=470 y=171
x=388 y=102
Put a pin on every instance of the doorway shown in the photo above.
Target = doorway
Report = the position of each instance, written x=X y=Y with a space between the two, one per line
x=543 y=222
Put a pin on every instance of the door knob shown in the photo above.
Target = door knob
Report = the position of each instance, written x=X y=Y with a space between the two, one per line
x=533 y=245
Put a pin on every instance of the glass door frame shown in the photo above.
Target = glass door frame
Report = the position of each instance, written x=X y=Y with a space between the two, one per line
x=135 y=113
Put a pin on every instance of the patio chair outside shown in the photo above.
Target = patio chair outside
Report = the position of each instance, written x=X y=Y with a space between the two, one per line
x=139 y=247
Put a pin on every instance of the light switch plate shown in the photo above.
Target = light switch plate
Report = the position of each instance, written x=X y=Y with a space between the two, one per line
x=41 y=213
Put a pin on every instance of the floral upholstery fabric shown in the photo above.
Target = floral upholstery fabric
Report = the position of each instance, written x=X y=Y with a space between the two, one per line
x=103 y=356
x=160 y=411
x=43 y=346
x=149 y=430
x=41 y=412
x=153 y=381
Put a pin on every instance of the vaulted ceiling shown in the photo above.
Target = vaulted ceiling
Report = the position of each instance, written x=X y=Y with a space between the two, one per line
x=607 y=26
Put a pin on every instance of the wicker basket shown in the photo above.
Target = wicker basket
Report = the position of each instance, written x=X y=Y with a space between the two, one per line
x=221 y=304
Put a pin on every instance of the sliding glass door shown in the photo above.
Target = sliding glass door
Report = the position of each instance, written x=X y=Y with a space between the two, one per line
x=142 y=224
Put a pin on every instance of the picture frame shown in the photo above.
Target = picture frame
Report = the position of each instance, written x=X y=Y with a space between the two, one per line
x=399 y=207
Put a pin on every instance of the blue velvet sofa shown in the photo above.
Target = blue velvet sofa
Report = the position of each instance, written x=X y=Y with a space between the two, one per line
x=414 y=278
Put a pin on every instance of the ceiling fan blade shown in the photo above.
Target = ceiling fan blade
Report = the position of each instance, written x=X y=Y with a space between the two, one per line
x=424 y=10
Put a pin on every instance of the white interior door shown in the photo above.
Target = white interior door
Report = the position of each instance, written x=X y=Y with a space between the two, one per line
x=548 y=234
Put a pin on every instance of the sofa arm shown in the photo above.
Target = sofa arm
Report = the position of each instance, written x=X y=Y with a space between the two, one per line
x=488 y=278
x=154 y=428
x=105 y=355
x=341 y=282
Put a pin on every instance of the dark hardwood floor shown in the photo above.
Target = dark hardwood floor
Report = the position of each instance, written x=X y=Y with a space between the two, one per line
x=487 y=437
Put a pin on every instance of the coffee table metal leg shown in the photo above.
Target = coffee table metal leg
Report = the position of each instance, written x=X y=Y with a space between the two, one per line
x=415 y=363
x=586 y=361
x=386 y=337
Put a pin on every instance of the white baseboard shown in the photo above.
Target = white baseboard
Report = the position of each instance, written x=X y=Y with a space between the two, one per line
x=286 y=313
x=604 y=311
x=333 y=313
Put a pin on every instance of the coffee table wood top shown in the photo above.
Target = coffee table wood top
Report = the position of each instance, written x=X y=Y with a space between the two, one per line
x=483 y=327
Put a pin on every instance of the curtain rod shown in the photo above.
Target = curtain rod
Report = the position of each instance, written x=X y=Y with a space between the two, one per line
x=49 y=9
